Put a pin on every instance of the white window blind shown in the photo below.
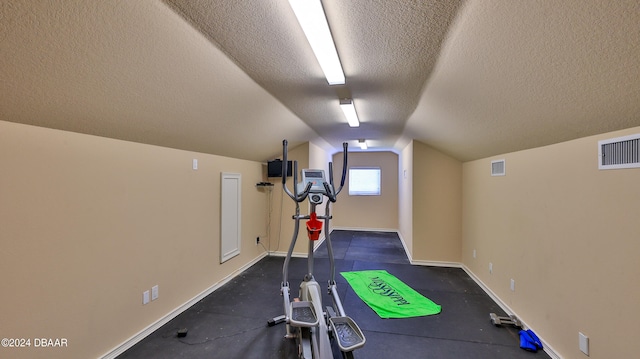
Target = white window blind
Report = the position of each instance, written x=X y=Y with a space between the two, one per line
x=364 y=181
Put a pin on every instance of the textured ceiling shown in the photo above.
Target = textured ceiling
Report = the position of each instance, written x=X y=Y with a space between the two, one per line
x=470 y=78
x=521 y=74
x=387 y=49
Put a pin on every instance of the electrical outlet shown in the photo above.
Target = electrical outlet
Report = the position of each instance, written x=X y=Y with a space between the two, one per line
x=195 y=164
x=154 y=292
x=474 y=253
x=583 y=343
x=513 y=285
x=490 y=268
x=145 y=297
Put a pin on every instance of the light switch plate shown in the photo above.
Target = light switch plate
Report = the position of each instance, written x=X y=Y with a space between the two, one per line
x=154 y=292
x=583 y=342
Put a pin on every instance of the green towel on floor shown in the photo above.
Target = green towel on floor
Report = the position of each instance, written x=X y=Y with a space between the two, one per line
x=388 y=296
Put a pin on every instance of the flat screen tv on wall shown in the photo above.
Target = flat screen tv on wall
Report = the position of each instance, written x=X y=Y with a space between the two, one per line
x=274 y=168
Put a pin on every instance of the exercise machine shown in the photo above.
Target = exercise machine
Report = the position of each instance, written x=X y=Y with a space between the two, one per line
x=312 y=326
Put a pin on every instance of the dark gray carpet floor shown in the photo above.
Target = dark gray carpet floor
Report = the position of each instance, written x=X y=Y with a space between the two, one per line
x=231 y=322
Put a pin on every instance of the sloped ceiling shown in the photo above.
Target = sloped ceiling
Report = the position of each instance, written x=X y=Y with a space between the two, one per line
x=521 y=74
x=470 y=78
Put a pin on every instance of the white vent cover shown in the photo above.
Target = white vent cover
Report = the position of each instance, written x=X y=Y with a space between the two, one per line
x=497 y=168
x=620 y=152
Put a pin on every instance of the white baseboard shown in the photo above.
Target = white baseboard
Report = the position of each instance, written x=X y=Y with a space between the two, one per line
x=177 y=311
x=317 y=244
x=547 y=348
x=284 y=254
x=436 y=264
x=404 y=245
x=365 y=229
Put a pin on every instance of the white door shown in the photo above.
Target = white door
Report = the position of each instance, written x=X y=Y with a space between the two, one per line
x=230 y=214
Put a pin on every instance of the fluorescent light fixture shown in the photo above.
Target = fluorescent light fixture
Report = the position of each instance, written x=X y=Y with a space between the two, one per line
x=363 y=144
x=349 y=112
x=314 y=24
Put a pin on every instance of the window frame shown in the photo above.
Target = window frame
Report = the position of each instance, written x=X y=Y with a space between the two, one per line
x=365 y=193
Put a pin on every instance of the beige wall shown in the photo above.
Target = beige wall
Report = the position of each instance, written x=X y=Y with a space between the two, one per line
x=568 y=234
x=436 y=205
x=283 y=208
x=405 y=198
x=319 y=158
x=368 y=212
x=88 y=223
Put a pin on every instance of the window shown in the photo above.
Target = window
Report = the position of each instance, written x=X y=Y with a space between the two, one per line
x=364 y=181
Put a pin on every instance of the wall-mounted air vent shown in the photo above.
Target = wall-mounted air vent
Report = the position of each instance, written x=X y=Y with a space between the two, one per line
x=621 y=152
x=497 y=168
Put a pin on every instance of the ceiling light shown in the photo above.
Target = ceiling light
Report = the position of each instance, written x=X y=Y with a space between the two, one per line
x=314 y=24
x=363 y=144
x=349 y=112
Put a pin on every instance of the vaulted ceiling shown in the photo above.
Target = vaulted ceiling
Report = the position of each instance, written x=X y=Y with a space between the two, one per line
x=472 y=78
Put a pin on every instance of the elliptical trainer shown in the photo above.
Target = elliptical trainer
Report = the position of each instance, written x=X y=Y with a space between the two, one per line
x=306 y=319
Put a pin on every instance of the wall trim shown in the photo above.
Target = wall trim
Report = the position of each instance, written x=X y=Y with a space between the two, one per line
x=404 y=245
x=298 y=254
x=177 y=311
x=419 y=262
x=547 y=348
x=284 y=254
x=364 y=229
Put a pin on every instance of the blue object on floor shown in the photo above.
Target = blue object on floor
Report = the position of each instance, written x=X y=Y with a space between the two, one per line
x=527 y=342
x=535 y=339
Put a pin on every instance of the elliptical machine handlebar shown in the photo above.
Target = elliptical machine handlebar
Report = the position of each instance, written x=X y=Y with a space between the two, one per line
x=331 y=193
x=294 y=196
x=345 y=147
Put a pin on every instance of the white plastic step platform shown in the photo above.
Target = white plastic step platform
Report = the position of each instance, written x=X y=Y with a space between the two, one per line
x=303 y=315
x=347 y=332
